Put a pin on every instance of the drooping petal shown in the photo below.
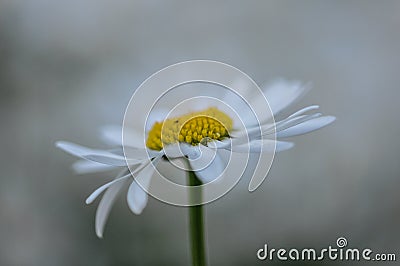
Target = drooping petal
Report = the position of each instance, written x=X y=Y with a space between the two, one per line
x=209 y=165
x=306 y=127
x=86 y=167
x=105 y=205
x=100 y=190
x=137 y=196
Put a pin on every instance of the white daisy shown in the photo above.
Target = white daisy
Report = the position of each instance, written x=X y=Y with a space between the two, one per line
x=198 y=135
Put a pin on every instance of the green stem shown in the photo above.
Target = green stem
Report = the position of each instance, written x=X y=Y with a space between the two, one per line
x=196 y=224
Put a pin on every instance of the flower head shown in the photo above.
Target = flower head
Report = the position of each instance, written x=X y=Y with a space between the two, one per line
x=200 y=134
x=192 y=128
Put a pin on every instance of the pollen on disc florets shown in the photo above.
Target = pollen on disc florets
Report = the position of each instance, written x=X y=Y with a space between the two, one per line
x=192 y=128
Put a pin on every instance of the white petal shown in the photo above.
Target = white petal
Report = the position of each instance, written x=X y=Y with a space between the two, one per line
x=109 y=159
x=147 y=152
x=176 y=150
x=136 y=153
x=289 y=122
x=217 y=144
x=98 y=191
x=283 y=146
x=181 y=149
x=292 y=121
x=254 y=146
x=306 y=127
x=253 y=133
x=99 y=156
x=72 y=148
x=137 y=197
x=265 y=145
x=304 y=110
x=270 y=128
x=85 y=167
x=104 y=208
x=283 y=93
x=213 y=169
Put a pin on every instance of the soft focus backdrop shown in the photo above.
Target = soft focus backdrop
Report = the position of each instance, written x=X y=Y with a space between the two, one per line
x=68 y=67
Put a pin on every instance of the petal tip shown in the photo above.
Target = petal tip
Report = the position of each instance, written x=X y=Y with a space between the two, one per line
x=332 y=118
x=254 y=185
x=99 y=234
x=135 y=210
x=283 y=146
x=60 y=144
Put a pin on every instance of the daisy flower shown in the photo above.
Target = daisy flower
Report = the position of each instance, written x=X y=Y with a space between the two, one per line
x=199 y=134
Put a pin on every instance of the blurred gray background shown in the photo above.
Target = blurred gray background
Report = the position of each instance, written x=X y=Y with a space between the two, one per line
x=68 y=67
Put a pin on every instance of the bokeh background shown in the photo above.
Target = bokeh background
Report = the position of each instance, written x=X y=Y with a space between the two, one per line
x=69 y=67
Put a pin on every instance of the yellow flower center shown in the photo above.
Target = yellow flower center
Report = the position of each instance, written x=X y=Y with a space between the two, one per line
x=192 y=128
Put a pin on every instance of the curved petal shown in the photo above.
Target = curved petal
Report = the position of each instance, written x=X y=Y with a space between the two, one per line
x=214 y=168
x=136 y=153
x=99 y=156
x=98 y=191
x=266 y=145
x=283 y=146
x=306 y=127
x=105 y=205
x=73 y=149
x=86 y=167
x=112 y=159
x=292 y=121
x=269 y=129
x=137 y=197
x=304 y=110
